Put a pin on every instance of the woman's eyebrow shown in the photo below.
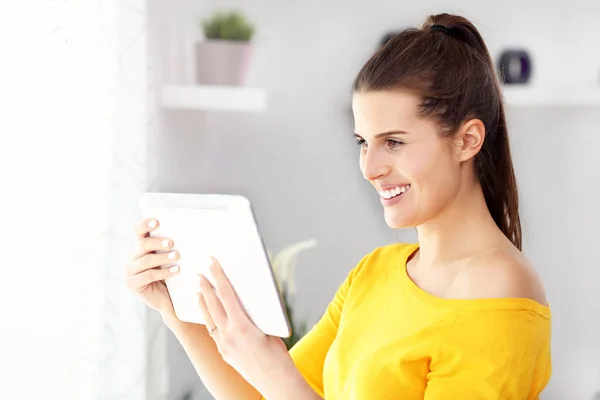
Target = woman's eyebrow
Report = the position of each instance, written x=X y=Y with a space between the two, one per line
x=384 y=134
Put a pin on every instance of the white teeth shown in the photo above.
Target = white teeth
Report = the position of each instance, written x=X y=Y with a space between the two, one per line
x=389 y=193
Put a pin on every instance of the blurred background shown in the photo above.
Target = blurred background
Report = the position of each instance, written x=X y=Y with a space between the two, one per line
x=104 y=100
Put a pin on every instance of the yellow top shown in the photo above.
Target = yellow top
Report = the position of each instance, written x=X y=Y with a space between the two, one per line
x=382 y=337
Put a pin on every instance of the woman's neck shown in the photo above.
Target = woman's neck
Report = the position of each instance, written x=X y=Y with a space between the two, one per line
x=461 y=229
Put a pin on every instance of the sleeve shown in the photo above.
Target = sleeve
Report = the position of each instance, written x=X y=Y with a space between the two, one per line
x=309 y=352
x=492 y=355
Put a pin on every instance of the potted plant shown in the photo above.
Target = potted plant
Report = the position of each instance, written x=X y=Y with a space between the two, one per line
x=224 y=56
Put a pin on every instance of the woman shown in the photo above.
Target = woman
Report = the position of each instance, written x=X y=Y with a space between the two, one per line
x=461 y=314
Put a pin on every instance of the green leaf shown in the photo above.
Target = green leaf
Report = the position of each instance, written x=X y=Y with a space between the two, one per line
x=231 y=25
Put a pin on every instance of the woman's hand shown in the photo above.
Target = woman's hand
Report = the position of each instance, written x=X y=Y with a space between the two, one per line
x=260 y=359
x=145 y=277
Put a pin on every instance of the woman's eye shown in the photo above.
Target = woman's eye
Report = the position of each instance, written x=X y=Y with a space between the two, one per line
x=393 y=143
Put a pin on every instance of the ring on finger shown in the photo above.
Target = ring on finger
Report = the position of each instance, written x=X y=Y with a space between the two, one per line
x=212 y=330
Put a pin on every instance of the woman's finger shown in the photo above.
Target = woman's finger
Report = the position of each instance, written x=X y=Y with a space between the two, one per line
x=213 y=304
x=208 y=321
x=150 y=261
x=145 y=226
x=147 y=245
x=140 y=281
x=225 y=291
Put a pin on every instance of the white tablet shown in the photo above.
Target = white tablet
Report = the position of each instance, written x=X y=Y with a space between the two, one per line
x=222 y=226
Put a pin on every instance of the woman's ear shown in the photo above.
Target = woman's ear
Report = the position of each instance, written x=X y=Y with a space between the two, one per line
x=469 y=139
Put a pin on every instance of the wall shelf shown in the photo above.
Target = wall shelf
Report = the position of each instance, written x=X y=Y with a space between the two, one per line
x=245 y=99
x=552 y=96
x=213 y=98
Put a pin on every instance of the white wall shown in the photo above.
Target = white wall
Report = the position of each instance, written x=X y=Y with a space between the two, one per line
x=558 y=169
x=298 y=163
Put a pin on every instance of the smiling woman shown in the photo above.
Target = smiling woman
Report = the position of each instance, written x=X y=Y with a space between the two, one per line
x=459 y=315
x=422 y=160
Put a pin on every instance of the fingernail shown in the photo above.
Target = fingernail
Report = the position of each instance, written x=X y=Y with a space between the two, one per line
x=174 y=268
x=172 y=255
x=151 y=224
x=166 y=243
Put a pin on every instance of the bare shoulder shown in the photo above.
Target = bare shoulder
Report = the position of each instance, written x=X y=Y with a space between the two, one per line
x=499 y=273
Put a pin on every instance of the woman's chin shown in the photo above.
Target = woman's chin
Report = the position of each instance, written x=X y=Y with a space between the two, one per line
x=396 y=220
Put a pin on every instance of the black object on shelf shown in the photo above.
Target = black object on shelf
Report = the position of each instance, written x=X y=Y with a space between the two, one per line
x=514 y=66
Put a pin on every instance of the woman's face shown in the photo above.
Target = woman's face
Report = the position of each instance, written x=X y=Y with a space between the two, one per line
x=416 y=171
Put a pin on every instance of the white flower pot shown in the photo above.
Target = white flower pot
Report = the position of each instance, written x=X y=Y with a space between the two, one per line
x=222 y=62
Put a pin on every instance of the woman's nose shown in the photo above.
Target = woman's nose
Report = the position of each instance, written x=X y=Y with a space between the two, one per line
x=374 y=165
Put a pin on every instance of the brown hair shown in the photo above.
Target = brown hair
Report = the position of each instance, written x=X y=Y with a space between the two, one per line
x=448 y=64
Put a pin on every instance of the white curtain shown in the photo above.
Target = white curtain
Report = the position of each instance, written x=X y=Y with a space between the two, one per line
x=74 y=130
